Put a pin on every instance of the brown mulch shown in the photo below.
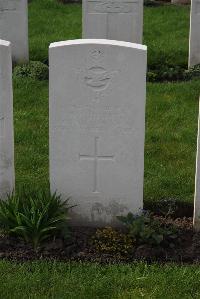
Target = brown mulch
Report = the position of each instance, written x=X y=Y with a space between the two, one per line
x=79 y=247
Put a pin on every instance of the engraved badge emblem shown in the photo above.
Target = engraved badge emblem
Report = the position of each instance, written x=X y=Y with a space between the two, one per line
x=112 y=7
x=98 y=78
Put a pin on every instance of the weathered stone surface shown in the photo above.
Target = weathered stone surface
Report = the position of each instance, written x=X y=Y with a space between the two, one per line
x=97 y=127
x=194 y=43
x=113 y=19
x=14 y=27
x=6 y=121
x=196 y=218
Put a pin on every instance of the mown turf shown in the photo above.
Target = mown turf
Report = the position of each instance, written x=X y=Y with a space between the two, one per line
x=50 y=21
x=31 y=133
x=171 y=133
x=171 y=128
x=166 y=30
x=88 y=281
x=166 y=33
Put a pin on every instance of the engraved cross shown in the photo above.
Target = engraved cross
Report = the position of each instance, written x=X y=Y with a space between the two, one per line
x=96 y=158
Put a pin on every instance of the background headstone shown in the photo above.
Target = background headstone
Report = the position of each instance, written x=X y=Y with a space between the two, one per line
x=6 y=121
x=97 y=127
x=194 y=43
x=14 y=27
x=196 y=218
x=181 y=1
x=113 y=19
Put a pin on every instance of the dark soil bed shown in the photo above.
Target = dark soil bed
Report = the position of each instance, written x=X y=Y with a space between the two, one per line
x=80 y=248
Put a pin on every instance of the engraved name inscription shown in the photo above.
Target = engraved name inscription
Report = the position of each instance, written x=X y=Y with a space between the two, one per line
x=111 y=6
x=97 y=118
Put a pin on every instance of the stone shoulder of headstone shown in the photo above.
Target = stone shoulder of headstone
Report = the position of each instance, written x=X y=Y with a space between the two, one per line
x=5 y=43
x=7 y=176
x=97 y=127
x=98 y=42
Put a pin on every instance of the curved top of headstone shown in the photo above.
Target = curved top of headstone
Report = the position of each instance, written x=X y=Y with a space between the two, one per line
x=4 y=43
x=98 y=42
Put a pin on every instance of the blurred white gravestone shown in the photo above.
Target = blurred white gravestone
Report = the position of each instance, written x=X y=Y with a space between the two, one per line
x=14 y=27
x=113 y=19
x=97 y=127
x=7 y=176
x=194 y=42
x=196 y=219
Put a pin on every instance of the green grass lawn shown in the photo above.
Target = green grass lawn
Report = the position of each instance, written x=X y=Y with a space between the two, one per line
x=166 y=33
x=170 y=149
x=166 y=30
x=171 y=133
x=31 y=132
x=89 y=281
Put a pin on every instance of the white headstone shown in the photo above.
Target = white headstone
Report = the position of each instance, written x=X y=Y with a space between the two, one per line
x=194 y=43
x=6 y=121
x=97 y=127
x=196 y=219
x=14 y=27
x=113 y=19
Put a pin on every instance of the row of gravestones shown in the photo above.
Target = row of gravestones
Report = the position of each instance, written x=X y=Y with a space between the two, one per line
x=97 y=118
x=115 y=20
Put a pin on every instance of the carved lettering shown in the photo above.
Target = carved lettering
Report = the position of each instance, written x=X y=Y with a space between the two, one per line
x=93 y=118
x=112 y=7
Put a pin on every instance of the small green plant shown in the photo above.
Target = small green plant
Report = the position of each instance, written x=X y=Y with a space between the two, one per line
x=111 y=241
x=167 y=207
x=193 y=72
x=151 y=3
x=152 y=76
x=34 y=216
x=165 y=72
x=34 y=69
x=145 y=229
